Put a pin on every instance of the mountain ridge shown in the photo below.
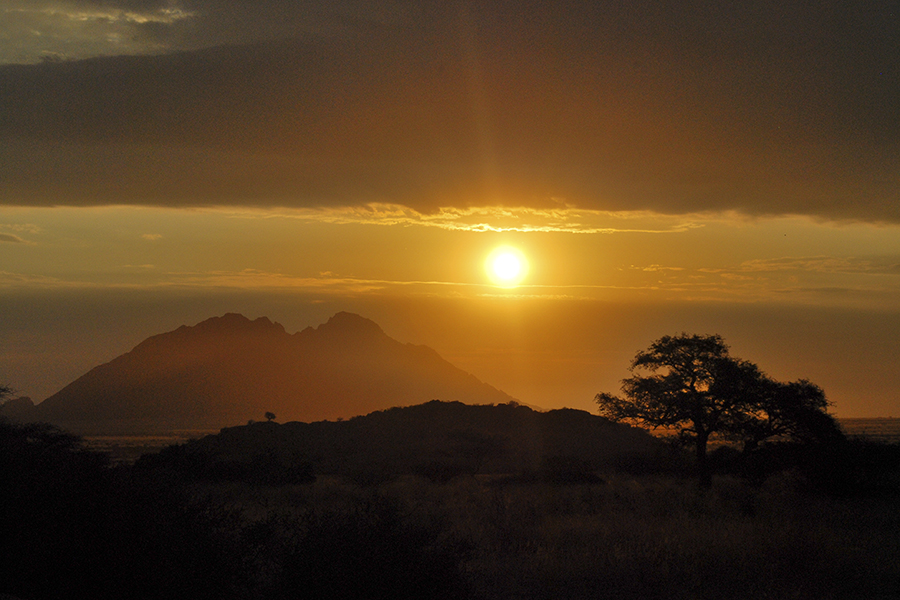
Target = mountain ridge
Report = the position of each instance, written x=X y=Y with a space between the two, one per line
x=229 y=369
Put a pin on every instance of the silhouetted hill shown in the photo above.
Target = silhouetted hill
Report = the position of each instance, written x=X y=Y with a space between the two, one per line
x=228 y=370
x=437 y=439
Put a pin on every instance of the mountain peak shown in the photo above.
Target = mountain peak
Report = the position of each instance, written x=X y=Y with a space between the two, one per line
x=229 y=325
x=235 y=321
x=229 y=369
x=350 y=323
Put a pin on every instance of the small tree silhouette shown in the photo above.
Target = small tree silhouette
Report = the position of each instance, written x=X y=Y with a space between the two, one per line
x=270 y=416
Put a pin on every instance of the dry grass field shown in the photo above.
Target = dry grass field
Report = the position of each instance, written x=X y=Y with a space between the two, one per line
x=153 y=530
x=646 y=537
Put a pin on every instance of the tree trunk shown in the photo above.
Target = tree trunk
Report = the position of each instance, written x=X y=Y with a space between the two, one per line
x=703 y=472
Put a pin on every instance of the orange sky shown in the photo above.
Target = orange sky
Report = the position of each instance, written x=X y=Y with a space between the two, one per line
x=664 y=167
x=803 y=299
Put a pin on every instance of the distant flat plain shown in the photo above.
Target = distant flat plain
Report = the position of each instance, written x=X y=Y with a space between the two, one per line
x=880 y=430
x=126 y=449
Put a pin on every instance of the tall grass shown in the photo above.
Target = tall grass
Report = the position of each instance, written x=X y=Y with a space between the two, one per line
x=663 y=538
x=632 y=537
x=75 y=527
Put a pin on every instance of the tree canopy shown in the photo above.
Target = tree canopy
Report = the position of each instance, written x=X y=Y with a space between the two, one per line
x=691 y=383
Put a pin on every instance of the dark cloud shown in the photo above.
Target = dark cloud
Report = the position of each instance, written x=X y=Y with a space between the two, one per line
x=760 y=107
x=178 y=25
x=8 y=237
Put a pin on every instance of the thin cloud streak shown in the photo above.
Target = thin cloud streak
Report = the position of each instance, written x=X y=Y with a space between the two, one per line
x=18 y=228
x=818 y=264
x=20 y=280
x=495 y=219
x=727 y=290
x=825 y=264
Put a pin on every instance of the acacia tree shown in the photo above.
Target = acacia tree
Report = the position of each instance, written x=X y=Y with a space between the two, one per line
x=691 y=383
x=796 y=411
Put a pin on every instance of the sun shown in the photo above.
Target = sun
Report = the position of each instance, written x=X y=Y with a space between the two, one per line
x=506 y=266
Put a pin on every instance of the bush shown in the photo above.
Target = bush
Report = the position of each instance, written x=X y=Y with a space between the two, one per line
x=74 y=527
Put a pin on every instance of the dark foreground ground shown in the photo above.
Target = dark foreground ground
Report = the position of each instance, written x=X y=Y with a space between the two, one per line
x=74 y=527
x=630 y=537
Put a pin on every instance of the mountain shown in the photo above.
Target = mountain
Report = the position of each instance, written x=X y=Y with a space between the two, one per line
x=228 y=370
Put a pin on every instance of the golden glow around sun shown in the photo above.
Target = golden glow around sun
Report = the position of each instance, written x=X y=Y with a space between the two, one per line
x=506 y=266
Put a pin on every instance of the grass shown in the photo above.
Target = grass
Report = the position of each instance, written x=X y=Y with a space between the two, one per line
x=76 y=527
x=646 y=537
x=664 y=539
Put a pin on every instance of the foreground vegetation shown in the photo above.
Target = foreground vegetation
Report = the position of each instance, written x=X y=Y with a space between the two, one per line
x=76 y=527
x=646 y=537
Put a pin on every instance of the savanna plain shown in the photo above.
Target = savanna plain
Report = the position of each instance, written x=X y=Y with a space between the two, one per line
x=234 y=516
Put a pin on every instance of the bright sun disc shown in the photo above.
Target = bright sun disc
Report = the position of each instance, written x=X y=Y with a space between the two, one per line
x=506 y=267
